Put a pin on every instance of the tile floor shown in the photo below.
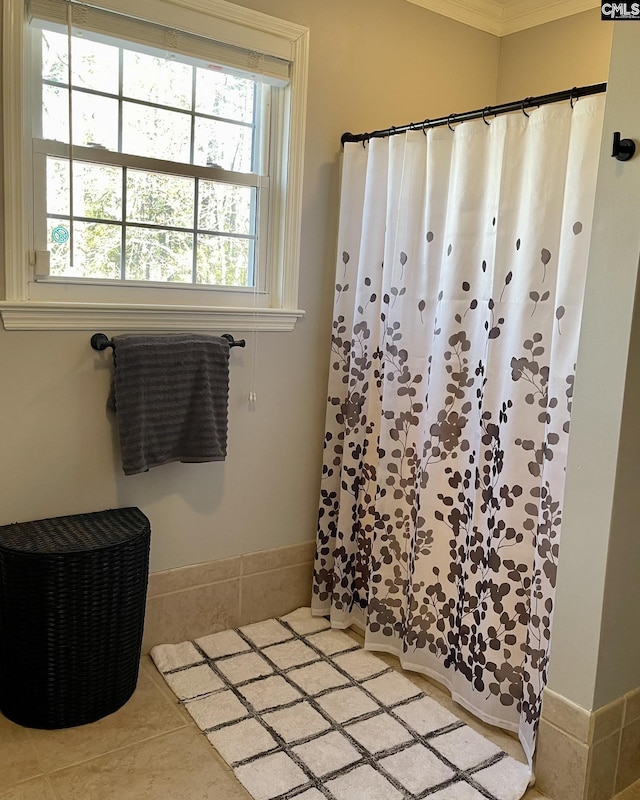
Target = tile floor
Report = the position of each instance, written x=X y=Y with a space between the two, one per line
x=149 y=750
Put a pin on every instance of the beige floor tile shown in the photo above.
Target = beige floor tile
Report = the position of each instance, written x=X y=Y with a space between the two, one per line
x=149 y=668
x=177 y=766
x=18 y=759
x=36 y=789
x=148 y=713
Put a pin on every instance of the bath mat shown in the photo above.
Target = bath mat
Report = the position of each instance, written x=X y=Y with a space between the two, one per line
x=301 y=711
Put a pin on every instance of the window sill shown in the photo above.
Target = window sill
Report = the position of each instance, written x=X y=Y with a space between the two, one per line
x=32 y=316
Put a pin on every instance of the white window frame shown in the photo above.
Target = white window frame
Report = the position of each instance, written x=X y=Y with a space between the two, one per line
x=142 y=308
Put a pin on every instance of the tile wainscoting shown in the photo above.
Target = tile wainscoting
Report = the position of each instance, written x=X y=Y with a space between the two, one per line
x=584 y=755
x=190 y=602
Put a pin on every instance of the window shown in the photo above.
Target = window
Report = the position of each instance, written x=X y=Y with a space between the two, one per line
x=162 y=168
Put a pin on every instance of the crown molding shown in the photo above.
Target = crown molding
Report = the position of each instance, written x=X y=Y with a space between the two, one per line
x=503 y=17
x=522 y=14
x=486 y=15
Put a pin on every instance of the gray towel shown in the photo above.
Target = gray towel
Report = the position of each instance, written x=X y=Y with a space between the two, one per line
x=170 y=393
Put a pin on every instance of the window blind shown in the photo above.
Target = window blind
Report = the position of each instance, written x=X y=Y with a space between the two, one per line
x=208 y=52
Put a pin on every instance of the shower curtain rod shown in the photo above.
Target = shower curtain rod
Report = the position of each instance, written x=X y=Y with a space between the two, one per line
x=504 y=108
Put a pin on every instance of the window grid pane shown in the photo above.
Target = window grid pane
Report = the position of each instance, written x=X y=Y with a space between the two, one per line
x=59 y=245
x=224 y=96
x=223 y=260
x=140 y=71
x=124 y=220
x=159 y=255
x=221 y=129
x=96 y=250
x=97 y=191
x=155 y=241
x=160 y=199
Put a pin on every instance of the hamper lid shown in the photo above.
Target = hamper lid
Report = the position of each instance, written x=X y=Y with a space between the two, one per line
x=74 y=533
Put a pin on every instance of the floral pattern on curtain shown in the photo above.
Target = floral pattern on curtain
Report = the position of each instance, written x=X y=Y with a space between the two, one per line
x=459 y=286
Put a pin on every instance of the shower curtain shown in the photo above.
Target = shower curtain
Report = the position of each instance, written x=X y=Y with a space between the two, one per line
x=461 y=267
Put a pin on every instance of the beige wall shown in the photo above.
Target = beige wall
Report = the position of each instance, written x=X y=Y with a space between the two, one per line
x=376 y=63
x=373 y=63
x=573 y=51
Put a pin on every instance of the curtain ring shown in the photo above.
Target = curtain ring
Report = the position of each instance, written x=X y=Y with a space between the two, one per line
x=449 y=122
x=365 y=139
x=424 y=126
x=573 y=99
x=523 y=103
x=484 y=111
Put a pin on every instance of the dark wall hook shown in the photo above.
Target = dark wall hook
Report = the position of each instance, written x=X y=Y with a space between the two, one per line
x=233 y=342
x=99 y=341
x=622 y=149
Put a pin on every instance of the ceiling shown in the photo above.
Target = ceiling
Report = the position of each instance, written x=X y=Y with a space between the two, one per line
x=502 y=17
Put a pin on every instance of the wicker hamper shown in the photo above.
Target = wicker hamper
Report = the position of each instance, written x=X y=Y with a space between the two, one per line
x=72 y=603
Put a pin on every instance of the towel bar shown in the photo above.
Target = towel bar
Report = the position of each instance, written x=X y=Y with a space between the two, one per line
x=100 y=341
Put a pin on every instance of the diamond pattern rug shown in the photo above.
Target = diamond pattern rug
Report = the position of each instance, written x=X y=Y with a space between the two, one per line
x=301 y=711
